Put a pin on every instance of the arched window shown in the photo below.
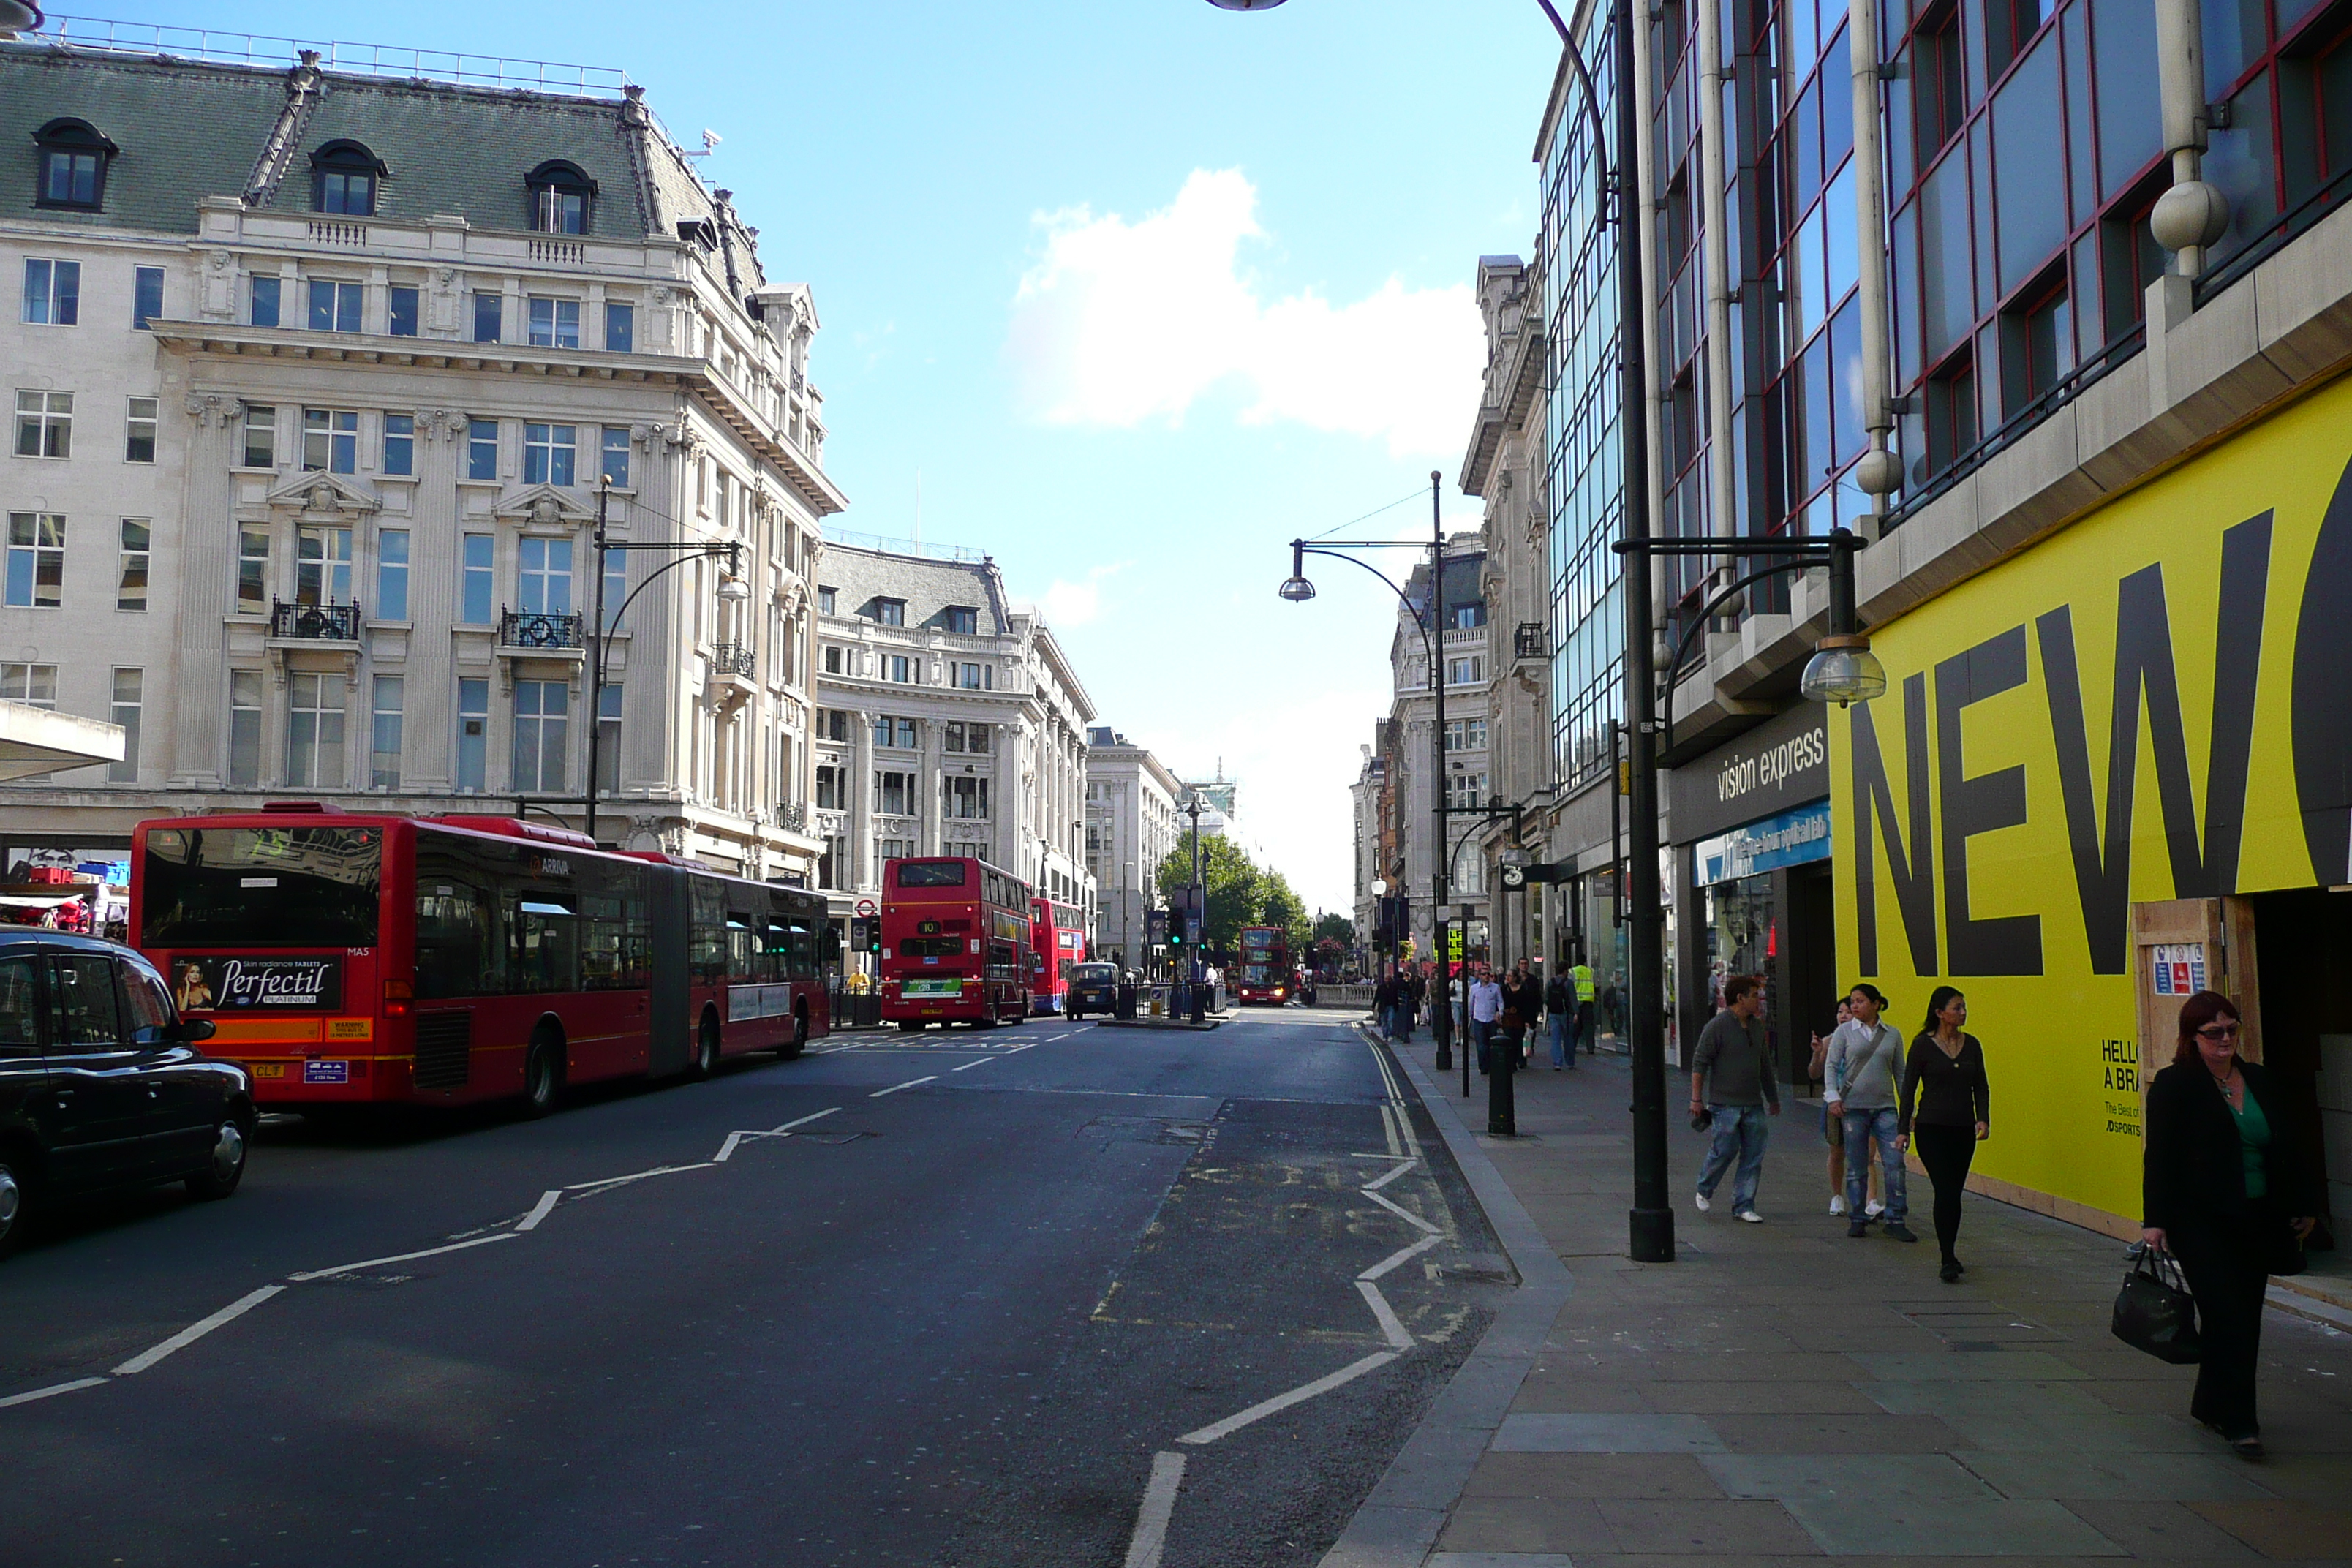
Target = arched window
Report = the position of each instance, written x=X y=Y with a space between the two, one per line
x=561 y=199
x=74 y=157
x=348 y=176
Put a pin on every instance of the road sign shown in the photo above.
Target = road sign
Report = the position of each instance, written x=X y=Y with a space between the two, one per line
x=1454 y=942
x=865 y=906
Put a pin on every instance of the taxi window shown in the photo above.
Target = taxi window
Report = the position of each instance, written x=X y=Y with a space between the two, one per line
x=87 y=1016
x=20 y=1018
x=146 y=1006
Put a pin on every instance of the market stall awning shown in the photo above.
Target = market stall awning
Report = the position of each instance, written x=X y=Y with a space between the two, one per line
x=35 y=740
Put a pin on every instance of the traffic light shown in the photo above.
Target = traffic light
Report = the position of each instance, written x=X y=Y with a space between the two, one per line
x=865 y=934
x=1175 y=927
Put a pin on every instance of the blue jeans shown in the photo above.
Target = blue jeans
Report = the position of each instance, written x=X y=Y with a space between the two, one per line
x=1405 y=1011
x=1860 y=1127
x=1563 y=1042
x=1481 y=1032
x=1741 y=1133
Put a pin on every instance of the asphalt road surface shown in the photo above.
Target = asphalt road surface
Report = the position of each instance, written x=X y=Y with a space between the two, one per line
x=1044 y=1294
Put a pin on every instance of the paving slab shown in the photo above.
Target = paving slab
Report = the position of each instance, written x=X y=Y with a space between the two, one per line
x=1834 y=1478
x=2116 y=1476
x=1605 y=1434
x=1592 y=1476
x=1939 y=1527
x=2284 y=1527
x=2162 y=1531
x=1703 y=1528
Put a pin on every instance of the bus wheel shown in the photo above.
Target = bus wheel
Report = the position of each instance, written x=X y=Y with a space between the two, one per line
x=706 y=1049
x=799 y=1042
x=911 y=1025
x=542 y=1074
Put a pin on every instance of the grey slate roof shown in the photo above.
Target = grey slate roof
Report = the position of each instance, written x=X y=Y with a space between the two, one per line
x=858 y=577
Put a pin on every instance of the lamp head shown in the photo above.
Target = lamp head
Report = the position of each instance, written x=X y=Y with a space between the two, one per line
x=1244 y=4
x=1843 y=670
x=1295 y=588
x=23 y=17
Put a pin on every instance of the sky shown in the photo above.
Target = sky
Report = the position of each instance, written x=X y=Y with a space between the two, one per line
x=1128 y=293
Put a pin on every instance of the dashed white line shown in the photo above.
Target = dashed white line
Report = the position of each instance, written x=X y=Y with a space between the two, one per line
x=1391 y=1327
x=268 y=1290
x=1401 y=1255
x=193 y=1331
x=1281 y=1402
x=541 y=1209
x=1150 y=1537
x=1401 y=1213
x=975 y=1062
x=895 y=1087
x=51 y=1391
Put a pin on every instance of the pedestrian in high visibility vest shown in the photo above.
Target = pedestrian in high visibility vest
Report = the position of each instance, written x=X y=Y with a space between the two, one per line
x=1586 y=990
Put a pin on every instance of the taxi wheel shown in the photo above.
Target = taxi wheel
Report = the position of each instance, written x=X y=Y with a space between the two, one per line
x=13 y=1206
x=226 y=1169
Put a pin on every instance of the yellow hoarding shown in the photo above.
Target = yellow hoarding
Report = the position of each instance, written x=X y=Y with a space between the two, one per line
x=2154 y=703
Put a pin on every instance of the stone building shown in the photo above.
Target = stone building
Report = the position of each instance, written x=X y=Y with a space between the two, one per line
x=312 y=374
x=1459 y=614
x=1131 y=826
x=951 y=724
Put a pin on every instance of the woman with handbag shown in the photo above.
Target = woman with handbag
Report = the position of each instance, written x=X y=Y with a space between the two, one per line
x=1945 y=1073
x=2223 y=1193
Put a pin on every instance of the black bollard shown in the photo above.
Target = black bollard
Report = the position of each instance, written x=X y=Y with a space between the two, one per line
x=1502 y=1069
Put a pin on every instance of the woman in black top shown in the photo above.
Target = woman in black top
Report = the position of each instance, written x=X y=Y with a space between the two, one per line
x=2220 y=1183
x=1946 y=1072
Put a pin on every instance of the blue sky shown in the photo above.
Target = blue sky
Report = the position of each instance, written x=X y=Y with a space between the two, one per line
x=1140 y=288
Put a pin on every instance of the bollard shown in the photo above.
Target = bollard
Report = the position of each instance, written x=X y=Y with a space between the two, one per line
x=1502 y=1069
x=1200 y=1002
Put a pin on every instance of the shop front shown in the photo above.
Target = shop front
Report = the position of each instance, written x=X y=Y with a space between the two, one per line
x=2113 y=768
x=1750 y=828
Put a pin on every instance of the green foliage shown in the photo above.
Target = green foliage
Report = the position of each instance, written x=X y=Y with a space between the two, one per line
x=1335 y=928
x=1241 y=893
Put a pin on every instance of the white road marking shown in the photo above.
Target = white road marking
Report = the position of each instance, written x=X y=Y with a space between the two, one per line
x=895 y=1087
x=975 y=1062
x=56 y=1388
x=1385 y=1315
x=1281 y=1402
x=805 y=1121
x=198 y=1330
x=1150 y=1537
x=1402 y=1255
x=1392 y=1175
x=1405 y=1215
x=634 y=1176
x=368 y=1262
x=540 y=1210
x=1389 y=1131
x=727 y=1148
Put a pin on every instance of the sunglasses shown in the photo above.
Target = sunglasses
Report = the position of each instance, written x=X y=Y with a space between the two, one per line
x=2217 y=1031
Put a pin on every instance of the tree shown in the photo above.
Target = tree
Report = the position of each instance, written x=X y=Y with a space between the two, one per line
x=1282 y=907
x=1235 y=899
x=1336 y=928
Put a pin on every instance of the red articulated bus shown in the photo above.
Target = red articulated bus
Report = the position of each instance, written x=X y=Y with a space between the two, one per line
x=955 y=943
x=1264 y=969
x=1058 y=939
x=349 y=959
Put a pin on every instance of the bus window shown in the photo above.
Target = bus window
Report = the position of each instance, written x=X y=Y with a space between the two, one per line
x=931 y=873
x=458 y=951
x=544 y=945
x=743 y=957
x=605 y=946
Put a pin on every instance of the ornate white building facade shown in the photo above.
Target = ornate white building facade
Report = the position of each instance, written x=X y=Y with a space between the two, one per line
x=1131 y=826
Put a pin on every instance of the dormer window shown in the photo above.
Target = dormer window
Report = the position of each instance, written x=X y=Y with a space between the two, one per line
x=962 y=618
x=348 y=175
x=74 y=157
x=562 y=197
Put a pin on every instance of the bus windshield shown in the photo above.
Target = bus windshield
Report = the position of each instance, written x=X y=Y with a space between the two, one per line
x=931 y=873
x=262 y=887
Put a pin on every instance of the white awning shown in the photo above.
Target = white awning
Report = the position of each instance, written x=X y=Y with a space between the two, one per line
x=35 y=740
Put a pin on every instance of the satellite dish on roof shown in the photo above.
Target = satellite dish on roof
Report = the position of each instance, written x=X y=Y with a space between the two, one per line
x=18 y=17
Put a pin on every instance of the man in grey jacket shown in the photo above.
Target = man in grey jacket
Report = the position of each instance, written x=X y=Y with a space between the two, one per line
x=1731 y=1083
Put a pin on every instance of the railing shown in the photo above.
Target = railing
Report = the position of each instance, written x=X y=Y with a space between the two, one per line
x=357 y=59
x=1530 y=642
x=529 y=628
x=565 y=252
x=856 y=541
x=792 y=815
x=2275 y=235
x=733 y=658
x=327 y=231
x=315 y=623
x=853 y=1009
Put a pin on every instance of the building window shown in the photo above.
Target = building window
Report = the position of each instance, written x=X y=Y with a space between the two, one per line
x=614 y=465
x=617 y=586
x=476 y=585
x=314 y=731
x=968 y=738
x=146 y=296
x=262 y=305
x=37 y=560
x=330 y=440
x=2037 y=348
x=243 y=728
x=620 y=329
x=383 y=733
x=832 y=662
x=824 y=600
x=482 y=450
x=52 y=292
x=139 y=431
x=473 y=734
x=335 y=307
x=962 y=619
x=261 y=436
x=347 y=175
x=32 y=683
x=561 y=197
x=608 y=739
x=322 y=566
x=45 y=425
x=889 y=732
x=888 y=849
x=544 y=576
x=1466 y=734
x=130 y=582
x=894 y=794
x=829 y=792
x=402 y=316
x=392 y=574
x=252 y=571
x=400 y=444
x=890 y=612
x=1951 y=415
x=898 y=666
x=74 y=158
x=547 y=453
x=963 y=798
x=1467 y=617
x=487 y=308
x=1465 y=792
x=972 y=675
x=554 y=323
x=1939 y=95
x=831 y=725
x=539 y=732
x=1462 y=671
x=125 y=711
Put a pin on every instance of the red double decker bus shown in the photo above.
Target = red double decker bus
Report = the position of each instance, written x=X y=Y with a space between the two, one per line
x=351 y=958
x=1058 y=939
x=955 y=943
x=1264 y=969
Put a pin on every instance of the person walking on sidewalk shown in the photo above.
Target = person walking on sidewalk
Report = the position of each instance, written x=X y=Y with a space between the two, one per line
x=2224 y=1192
x=1946 y=1075
x=1587 y=990
x=1559 y=1010
x=1385 y=1002
x=1415 y=988
x=1865 y=1070
x=1523 y=996
x=1486 y=1012
x=1731 y=1083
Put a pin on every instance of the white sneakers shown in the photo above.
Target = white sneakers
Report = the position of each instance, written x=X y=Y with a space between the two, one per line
x=1873 y=1209
x=1837 y=1204
x=1700 y=1199
x=1751 y=1216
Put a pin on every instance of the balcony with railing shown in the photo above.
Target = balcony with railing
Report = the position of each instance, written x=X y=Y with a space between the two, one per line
x=733 y=658
x=1529 y=641
x=328 y=621
x=539 y=632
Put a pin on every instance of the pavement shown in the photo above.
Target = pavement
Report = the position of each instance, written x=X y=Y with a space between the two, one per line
x=1781 y=1394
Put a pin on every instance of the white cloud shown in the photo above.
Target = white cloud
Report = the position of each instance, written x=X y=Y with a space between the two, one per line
x=1066 y=604
x=1118 y=323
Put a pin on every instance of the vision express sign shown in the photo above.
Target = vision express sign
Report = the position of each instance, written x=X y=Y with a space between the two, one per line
x=1782 y=762
x=209 y=983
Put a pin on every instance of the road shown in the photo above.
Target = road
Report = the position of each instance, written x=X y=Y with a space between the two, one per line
x=967 y=1309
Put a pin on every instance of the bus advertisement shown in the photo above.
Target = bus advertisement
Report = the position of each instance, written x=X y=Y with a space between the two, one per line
x=1264 y=969
x=1057 y=939
x=354 y=959
x=955 y=943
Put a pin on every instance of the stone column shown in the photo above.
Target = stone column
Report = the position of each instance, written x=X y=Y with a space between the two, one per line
x=860 y=785
x=429 y=689
x=197 y=691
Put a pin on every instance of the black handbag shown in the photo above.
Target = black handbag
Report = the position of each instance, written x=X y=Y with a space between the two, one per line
x=2156 y=1313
